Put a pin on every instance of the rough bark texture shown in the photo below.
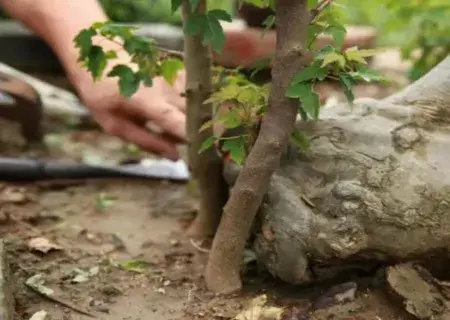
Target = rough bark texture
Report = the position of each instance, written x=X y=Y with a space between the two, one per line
x=207 y=166
x=224 y=265
x=374 y=187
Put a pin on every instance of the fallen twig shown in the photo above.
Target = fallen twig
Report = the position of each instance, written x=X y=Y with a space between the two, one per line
x=196 y=246
x=61 y=301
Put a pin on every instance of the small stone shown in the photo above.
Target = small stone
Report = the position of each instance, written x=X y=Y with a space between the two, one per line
x=43 y=245
x=102 y=308
x=418 y=290
x=341 y=293
x=111 y=290
x=174 y=243
x=161 y=290
x=13 y=196
x=40 y=315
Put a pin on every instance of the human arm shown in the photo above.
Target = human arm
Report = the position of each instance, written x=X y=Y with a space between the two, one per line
x=57 y=22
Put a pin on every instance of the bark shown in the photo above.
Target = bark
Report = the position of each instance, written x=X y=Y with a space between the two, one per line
x=206 y=167
x=374 y=187
x=224 y=265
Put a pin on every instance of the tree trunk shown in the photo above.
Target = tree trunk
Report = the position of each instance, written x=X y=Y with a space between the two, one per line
x=206 y=167
x=225 y=260
x=373 y=188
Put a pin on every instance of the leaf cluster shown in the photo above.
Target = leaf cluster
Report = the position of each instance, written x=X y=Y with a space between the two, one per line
x=142 y=51
x=244 y=101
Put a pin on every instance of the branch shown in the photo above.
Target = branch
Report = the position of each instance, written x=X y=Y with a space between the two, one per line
x=171 y=53
x=315 y=12
x=206 y=167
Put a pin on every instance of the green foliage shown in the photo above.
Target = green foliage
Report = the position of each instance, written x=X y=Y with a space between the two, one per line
x=141 y=50
x=331 y=62
x=408 y=24
x=246 y=101
x=152 y=10
x=208 y=26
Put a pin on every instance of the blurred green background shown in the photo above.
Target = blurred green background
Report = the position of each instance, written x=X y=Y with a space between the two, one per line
x=407 y=24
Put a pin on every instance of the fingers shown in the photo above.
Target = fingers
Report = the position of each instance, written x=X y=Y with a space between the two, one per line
x=180 y=82
x=131 y=132
x=178 y=101
x=166 y=116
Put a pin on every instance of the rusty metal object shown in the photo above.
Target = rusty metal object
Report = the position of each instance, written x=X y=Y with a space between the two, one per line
x=24 y=106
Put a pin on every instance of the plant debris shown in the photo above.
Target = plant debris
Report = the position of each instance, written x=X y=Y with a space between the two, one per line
x=43 y=245
x=40 y=315
x=84 y=275
x=36 y=283
x=258 y=310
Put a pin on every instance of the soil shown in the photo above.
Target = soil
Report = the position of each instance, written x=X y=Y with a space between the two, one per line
x=118 y=248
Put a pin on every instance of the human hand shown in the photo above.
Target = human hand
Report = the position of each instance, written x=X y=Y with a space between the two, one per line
x=127 y=118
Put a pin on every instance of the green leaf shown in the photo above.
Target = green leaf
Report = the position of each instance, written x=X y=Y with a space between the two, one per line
x=231 y=119
x=268 y=23
x=111 y=54
x=367 y=75
x=206 y=125
x=353 y=54
x=308 y=97
x=347 y=82
x=338 y=32
x=137 y=266
x=148 y=81
x=300 y=139
x=209 y=27
x=226 y=93
x=312 y=4
x=324 y=51
x=207 y=143
x=96 y=61
x=236 y=148
x=84 y=41
x=128 y=81
x=103 y=201
x=220 y=14
x=195 y=24
x=137 y=44
x=313 y=31
x=332 y=57
x=313 y=71
x=170 y=68
x=260 y=65
x=175 y=4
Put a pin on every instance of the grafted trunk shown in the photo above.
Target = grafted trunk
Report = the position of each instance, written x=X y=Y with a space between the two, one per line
x=224 y=265
x=374 y=187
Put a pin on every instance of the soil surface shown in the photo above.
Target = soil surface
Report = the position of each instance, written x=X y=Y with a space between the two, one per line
x=116 y=249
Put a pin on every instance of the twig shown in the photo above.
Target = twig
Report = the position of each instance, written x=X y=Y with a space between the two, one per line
x=319 y=8
x=63 y=302
x=196 y=246
x=169 y=52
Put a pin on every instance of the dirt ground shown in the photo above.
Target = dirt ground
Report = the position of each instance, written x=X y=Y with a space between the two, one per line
x=116 y=249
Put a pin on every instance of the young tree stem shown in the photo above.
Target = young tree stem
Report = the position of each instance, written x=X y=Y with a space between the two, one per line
x=206 y=167
x=226 y=256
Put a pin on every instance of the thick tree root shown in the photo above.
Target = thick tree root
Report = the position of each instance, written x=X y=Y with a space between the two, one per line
x=374 y=187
